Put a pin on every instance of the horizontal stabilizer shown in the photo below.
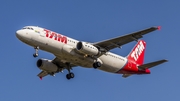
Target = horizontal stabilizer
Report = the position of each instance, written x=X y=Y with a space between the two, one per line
x=152 y=64
x=126 y=75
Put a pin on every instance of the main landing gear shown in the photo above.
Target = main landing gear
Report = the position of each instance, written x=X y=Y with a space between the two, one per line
x=70 y=74
x=36 y=51
x=96 y=65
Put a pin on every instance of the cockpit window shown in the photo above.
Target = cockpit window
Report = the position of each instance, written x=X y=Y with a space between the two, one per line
x=28 y=28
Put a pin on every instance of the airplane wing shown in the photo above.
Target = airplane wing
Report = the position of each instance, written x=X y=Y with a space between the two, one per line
x=60 y=64
x=119 y=41
x=42 y=74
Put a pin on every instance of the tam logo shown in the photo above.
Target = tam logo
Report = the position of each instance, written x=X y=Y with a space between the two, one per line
x=138 y=51
x=56 y=36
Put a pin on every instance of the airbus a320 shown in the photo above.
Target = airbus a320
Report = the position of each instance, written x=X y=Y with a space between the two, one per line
x=70 y=53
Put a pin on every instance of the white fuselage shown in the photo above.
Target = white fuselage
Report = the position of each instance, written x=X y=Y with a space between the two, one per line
x=66 y=50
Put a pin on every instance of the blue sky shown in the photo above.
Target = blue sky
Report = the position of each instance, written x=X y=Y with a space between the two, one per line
x=90 y=20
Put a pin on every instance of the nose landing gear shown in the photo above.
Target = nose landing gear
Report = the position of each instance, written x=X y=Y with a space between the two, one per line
x=36 y=51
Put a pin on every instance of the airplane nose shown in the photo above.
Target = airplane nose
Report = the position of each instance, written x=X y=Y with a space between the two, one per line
x=19 y=34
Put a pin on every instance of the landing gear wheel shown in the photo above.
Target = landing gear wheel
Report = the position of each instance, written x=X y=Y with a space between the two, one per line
x=96 y=65
x=35 y=55
x=70 y=75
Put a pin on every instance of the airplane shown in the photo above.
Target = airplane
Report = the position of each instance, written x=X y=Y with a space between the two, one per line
x=70 y=53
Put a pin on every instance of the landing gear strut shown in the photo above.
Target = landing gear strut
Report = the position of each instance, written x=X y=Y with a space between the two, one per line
x=52 y=74
x=36 y=51
x=96 y=65
x=70 y=74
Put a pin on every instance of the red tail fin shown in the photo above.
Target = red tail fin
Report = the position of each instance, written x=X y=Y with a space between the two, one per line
x=137 y=54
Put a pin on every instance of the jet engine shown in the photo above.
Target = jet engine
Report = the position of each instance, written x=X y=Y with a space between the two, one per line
x=46 y=65
x=86 y=48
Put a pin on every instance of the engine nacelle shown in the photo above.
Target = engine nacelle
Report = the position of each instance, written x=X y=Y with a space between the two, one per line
x=46 y=65
x=87 y=48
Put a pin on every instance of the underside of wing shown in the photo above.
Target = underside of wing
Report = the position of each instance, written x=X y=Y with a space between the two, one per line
x=42 y=74
x=52 y=67
x=62 y=64
x=119 y=41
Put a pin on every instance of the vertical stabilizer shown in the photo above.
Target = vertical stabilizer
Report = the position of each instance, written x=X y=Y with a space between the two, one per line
x=137 y=53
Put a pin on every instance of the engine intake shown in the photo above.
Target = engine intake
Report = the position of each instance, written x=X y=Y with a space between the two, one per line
x=46 y=65
x=39 y=63
x=86 y=48
x=79 y=46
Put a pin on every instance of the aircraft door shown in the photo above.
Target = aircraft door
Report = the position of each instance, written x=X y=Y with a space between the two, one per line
x=42 y=33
